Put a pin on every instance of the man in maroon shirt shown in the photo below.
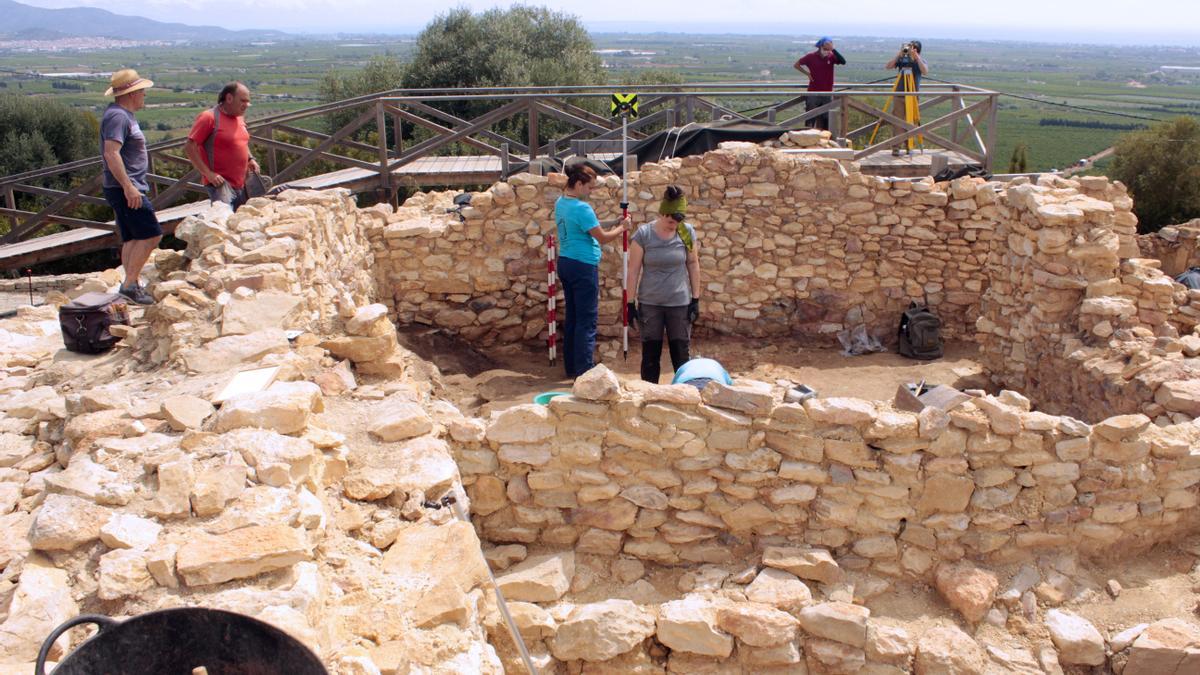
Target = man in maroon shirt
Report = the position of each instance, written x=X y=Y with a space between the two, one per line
x=818 y=67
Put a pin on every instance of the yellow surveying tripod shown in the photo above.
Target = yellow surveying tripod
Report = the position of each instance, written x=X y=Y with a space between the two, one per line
x=905 y=82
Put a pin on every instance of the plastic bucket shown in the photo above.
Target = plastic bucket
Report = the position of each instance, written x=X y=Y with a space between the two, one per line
x=178 y=640
x=544 y=397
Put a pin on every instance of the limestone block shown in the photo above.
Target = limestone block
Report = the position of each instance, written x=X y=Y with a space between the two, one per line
x=123 y=573
x=65 y=522
x=646 y=496
x=423 y=464
x=87 y=480
x=840 y=411
x=752 y=399
x=370 y=321
x=41 y=601
x=217 y=486
x=278 y=460
x=888 y=644
x=807 y=563
x=947 y=649
x=1077 y=640
x=945 y=493
x=530 y=423
x=173 y=499
x=600 y=631
x=284 y=408
x=397 y=418
x=598 y=384
x=232 y=351
x=212 y=559
x=361 y=349
x=542 y=578
x=1181 y=396
x=967 y=588
x=160 y=562
x=186 y=412
x=758 y=625
x=780 y=589
x=690 y=625
x=838 y=621
x=1166 y=647
x=262 y=311
x=124 y=530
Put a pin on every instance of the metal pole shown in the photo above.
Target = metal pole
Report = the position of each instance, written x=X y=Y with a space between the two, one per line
x=624 y=237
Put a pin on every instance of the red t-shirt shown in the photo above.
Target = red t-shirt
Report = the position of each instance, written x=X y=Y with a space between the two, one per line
x=821 y=70
x=231 y=150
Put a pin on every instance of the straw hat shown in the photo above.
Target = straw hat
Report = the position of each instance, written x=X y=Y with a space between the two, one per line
x=127 y=81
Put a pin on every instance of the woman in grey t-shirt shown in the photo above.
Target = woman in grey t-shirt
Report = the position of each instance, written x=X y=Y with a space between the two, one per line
x=664 y=270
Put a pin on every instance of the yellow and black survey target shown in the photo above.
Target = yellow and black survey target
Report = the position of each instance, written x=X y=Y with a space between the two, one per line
x=624 y=105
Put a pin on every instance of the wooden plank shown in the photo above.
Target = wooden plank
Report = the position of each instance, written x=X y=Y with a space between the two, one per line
x=31 y=224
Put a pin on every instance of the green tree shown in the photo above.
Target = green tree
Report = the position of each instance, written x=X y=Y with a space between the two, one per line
x=1161 y=166
x=1020 y=159
x=382 y=73
x=521 y=46
x=42 y=132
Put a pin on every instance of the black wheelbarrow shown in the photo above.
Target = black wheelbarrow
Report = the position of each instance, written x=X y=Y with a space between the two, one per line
x=182 y=641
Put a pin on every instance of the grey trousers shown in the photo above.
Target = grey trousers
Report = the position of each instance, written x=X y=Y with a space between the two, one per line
x=653 y=320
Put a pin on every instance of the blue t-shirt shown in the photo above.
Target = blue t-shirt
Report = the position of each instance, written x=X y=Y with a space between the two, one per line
x=119 y=124
x=574 y=218
x=701 y=368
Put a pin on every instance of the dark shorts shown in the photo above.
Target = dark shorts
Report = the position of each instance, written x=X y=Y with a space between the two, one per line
x=133 y=224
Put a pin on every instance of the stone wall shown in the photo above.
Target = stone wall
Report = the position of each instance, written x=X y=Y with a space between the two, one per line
x=300 y=262
x=665 y=474
x=1075 y=319
x=1174 y=245
x=790 y=245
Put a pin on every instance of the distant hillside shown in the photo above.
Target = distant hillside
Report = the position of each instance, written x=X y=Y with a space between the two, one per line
x=89 y=22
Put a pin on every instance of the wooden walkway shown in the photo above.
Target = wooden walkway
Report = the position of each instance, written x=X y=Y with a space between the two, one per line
x=479 y=170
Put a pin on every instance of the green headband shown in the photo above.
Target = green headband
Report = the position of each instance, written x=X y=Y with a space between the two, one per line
x=672 y=206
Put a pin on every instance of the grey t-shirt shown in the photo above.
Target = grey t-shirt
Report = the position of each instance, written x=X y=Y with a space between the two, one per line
x=664 y=268
x=119 y=124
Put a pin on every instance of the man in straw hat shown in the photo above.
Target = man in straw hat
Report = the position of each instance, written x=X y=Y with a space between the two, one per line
x=126 y=163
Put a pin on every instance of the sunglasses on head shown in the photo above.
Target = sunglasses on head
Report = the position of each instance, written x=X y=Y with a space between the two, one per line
x=677 y=217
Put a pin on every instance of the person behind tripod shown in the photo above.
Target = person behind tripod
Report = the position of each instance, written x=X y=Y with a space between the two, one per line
x=907 y=60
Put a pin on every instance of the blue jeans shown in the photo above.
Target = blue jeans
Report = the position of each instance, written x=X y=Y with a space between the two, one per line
x=581 y=290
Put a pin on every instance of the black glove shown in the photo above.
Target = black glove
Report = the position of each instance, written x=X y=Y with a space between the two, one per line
x=631 y=309
x=694 y=310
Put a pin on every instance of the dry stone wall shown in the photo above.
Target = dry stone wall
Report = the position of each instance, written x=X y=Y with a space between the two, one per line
x=1174 y=245
x=1075 y=319
x=298 y=262
x=666 y=474
x=790 y=245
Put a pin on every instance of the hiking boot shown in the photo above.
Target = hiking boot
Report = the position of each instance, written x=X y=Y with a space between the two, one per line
x=137 y=294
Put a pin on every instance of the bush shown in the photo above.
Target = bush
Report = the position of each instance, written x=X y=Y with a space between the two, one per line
x=1161 y=167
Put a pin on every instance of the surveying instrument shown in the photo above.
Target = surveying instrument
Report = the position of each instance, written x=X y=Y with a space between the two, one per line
x=905 y=83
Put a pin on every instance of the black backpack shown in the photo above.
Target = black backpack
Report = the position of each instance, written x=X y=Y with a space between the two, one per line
x=920 y=333
x=1190 y=278
x=85 y=321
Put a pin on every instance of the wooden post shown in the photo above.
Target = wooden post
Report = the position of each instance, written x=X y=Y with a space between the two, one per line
x=533 y=132
x=552 y=149
x=689 y=107
x=990 y=153
x=504 y=168
x=272 y=157
x=771 y=115
x=10 y=200
x=150 y=169
x=385 y=176
x=954 y=123
x=397 y=135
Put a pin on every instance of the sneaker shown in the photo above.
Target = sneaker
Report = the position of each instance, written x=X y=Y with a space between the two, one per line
x=137 y=294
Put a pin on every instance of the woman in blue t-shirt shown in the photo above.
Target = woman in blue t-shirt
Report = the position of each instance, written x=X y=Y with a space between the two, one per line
x=580 y=235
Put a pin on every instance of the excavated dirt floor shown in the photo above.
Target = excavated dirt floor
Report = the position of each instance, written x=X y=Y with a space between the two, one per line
x=482 y=382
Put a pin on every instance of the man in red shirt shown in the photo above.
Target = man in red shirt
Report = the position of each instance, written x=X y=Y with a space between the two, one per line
x=818 y=67
x=219 y=146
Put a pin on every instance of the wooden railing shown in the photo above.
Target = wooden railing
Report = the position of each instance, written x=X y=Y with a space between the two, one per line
x=511 y=126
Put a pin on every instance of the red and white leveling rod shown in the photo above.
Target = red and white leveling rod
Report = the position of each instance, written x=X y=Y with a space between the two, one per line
x=551 y=299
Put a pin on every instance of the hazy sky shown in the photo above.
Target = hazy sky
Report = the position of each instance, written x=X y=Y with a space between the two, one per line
x=1099 y=21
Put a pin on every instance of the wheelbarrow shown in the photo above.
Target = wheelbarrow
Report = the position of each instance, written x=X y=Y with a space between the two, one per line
x=182 y=641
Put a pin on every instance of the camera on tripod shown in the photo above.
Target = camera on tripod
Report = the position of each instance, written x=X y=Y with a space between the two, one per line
x=906 y=49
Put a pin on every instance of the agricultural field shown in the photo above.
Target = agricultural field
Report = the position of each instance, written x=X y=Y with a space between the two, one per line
x=285 y=76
